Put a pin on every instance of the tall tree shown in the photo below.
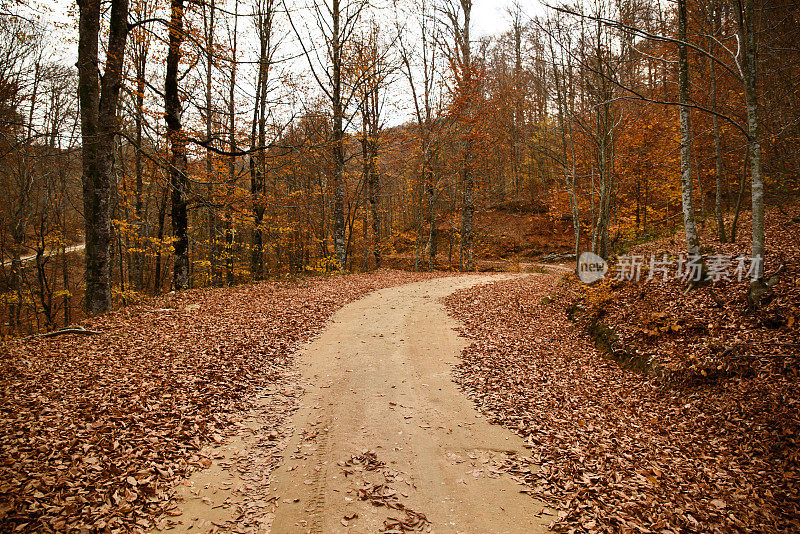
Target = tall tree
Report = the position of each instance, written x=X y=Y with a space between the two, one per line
x=745 y=13
x=690 y=227
x=231 y=181
x=209 y=26
x=140 y=48
x=459 y=16
x=264 y=22
x=714 y=14
x=422 y=80
x=336 y=21
x=99 y=97
x=178 y=179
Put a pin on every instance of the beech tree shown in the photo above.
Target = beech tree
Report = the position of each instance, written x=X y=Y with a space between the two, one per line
x=458 y=17
x=426 y=105
x=265 y=25
x=745 y=13
x=99 y=97
x=336 y=21
x=687 y=195
x=178 y=179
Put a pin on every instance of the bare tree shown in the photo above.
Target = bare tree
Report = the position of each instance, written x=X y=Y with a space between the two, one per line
x=264 y=22
x=458 y=17
x=336 y=21
x=209 y=27
x=371 y=60
x=745 y=14
x=178 y=163
x=692 y=240
x=99 y=97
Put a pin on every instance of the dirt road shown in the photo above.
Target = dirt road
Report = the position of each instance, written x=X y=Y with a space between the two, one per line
x=378 y=381
x=382 y=439
x=48 y=253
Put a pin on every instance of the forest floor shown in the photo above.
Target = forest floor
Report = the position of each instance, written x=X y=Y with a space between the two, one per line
x=98 y=430
x=333 y=404
x=685 y=417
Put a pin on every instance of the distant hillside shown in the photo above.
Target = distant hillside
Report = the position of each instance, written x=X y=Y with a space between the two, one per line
x=508 y=231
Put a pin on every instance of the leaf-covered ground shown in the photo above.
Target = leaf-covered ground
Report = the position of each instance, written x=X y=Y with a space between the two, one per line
x=96 y=430
x=709 y=333
x=714 y=448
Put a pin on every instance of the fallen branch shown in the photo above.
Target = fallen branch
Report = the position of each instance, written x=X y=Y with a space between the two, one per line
x=70 y=330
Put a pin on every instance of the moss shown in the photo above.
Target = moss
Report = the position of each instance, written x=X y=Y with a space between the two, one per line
x=607 y=343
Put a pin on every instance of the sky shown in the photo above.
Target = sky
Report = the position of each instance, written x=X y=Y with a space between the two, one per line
x=489 y=17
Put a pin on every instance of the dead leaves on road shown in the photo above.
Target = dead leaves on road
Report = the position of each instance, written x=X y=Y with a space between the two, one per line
x=382 y=494
x=96 y=430
x=619 y=452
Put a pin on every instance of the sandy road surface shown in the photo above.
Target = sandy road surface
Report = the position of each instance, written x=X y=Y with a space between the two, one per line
x=28 y=257
x=378 y=379
x=382 y=435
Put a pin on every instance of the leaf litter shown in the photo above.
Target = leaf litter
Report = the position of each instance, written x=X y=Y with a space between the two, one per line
x=615 y=450
x=382 y=494
x=97 y=431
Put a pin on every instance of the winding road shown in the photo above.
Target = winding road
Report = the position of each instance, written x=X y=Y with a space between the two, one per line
x=383 y=439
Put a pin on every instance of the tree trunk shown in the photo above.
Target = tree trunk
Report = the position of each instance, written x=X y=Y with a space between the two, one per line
x=718 y=164
x=467 y=178
x=230 y=279
x=98 y=109
x=339 y=245
x=746 y=19
x=137 y=275
x=692 y=240
x=162 y=215
x=264 y=19
x=739 y=197
x=178 y=162
x=211 y=224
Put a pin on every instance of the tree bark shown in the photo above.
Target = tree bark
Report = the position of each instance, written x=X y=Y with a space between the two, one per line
x=692 y=240
x=177 y=140
x=98 y=108
x=137 y=274
x=258 y=136
x=718 y=163
x=211 y=219
x=467 y=178
x=339 y=245
x=230 y=278
x=746 y=19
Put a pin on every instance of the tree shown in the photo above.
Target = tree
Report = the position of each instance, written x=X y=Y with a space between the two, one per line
x=424 y=113
x=690 y=228
x=178 y=179
x=336 y=21
x=140 y=50
x=745 y=14
x=562 y=78
x=714 y=14
x=458 y=16
x=264 y=22
x=209 y=25
x=372 y=72
x=99 y=97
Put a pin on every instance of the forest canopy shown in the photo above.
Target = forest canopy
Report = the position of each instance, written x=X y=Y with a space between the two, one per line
x=221 y=141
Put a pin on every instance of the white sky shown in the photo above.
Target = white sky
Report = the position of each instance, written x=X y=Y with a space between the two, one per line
x=489 y=17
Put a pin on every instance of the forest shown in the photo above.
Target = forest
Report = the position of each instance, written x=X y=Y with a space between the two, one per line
x=211 y=143
x=399 y=266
